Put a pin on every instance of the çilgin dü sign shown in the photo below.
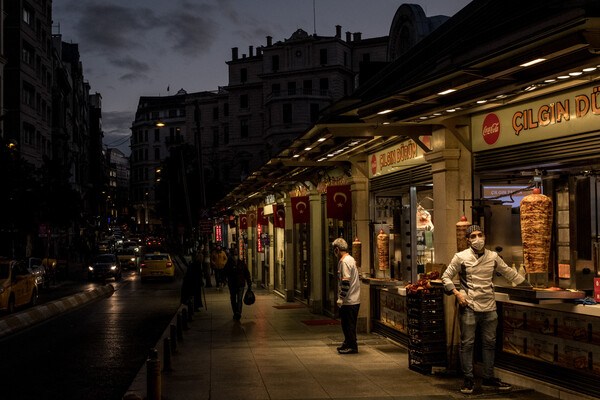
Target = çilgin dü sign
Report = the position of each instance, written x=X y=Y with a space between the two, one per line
x=400 y=156
x=562 y=114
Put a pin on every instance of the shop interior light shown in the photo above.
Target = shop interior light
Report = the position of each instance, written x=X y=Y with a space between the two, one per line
x=501 y=96
x=308 y=148
x=563 y=77
x=447 y=92
x=437 y=114
x=385 y=112
x=160 y=124
x=550 y=80
x=386 y=123
x=330 y=155
x=532 y=62
x=296 y=155
x=575 y=73
x=451 y=110
x=590 y=69
x=322 y=139
x=481 y=101
x=354 y=143
x=423 y=117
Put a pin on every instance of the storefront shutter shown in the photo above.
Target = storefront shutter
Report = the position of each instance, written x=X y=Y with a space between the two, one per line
x=576 y=148
x=406 y=177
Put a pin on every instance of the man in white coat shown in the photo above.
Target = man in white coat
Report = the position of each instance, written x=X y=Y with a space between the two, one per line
x=475 y=267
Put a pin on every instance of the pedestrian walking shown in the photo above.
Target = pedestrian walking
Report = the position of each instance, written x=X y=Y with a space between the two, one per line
x=238 y=276
x=206 y=265
x=348 y=295
x=219 y=258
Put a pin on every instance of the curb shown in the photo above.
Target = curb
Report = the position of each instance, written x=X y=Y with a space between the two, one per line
x=42 y=312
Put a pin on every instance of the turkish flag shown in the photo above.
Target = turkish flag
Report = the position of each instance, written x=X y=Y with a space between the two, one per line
x=300 y=210
x=279 y=216
x=339 y=202
x=243 y=221
x=262 y=220
x=252 y=219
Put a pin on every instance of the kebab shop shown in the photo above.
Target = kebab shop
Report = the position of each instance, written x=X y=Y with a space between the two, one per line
x=549 y=144
x=401 y=198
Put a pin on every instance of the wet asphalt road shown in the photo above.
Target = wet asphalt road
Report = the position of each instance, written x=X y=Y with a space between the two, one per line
x=94 y=352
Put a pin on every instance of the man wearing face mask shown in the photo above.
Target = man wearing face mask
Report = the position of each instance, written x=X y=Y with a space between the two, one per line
x=475 y=267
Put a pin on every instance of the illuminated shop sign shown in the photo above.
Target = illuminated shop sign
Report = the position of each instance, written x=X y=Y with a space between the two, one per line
x=403 y=155
x=562 y=114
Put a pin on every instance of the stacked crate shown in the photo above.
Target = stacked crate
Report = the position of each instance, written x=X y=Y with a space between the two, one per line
x=426 y=332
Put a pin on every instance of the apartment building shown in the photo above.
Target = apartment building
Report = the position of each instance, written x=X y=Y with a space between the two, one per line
x=28 y=78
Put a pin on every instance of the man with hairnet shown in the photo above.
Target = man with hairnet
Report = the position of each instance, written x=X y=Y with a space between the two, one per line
x=475 y=267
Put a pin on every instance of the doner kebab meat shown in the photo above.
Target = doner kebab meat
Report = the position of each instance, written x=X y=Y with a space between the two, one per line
x=536 y=231
x=461 y=234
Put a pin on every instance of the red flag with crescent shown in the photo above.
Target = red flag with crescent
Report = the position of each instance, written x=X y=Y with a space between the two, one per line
x=261 y=219
x=243 y=221
x=252 y=219
x=300 y=210
x=339 y=202
x=279 y=216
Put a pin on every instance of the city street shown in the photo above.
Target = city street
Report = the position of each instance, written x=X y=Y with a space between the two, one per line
x=93 y=352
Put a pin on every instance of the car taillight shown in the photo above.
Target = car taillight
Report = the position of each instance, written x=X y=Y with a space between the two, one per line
x=168 y=264
x=143 y=265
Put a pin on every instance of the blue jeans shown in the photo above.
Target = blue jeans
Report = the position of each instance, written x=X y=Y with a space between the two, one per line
x=236 y=295
x=487 y=321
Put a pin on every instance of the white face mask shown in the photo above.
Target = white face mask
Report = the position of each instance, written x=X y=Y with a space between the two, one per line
x=477 y=243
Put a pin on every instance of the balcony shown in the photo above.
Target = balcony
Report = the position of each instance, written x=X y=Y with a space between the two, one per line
x=298 y=94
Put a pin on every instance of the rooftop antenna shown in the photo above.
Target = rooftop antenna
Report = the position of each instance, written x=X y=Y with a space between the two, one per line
x=314 y=19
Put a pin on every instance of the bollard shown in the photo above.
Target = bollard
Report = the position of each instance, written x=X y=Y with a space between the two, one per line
x=166 y=354
x=184 y=318
x=173 y=336
x=153 y=378
x=179 y=328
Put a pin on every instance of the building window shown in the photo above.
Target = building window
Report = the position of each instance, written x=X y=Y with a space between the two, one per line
x=215 y=113
x=314 y=112
x=155 y=115
x=27 y=15
x=146 y=156
x=287 y=113
x=244 y=169
x=275 y=63
x=27 y=54
x=291 y=87
x=244 y=128
x=244 y=101
x=146 y=136
x=244 y=74
x=345 y=59
x=323 y=56
x=225 y=134
x=28 y=94
x=324 y=86
x=171 y=135
x=276 y=89
x=197 y=114
x=157 y=135
x=157 y=153
x=28 y=133
x=366 y=57
x=307 y=85
x=172 y=113
x=215 y=132
x=226 y=109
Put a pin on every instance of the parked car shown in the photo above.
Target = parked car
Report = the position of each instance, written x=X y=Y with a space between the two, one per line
x=37 y=269
x=157 y=265
x=104 y=266
x=17 y=285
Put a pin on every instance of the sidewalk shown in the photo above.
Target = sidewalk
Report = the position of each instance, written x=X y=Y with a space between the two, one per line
x=272 y=354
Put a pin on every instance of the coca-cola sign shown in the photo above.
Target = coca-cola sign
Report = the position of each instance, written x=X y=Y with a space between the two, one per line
x=491 y=128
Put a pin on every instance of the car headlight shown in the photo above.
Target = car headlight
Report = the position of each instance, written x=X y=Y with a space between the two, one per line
x=132 y=259
x=91 y=268
x=113 y=267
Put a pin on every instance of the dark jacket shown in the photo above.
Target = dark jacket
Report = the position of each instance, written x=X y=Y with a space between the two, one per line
x=192 y=282
x=238 y=275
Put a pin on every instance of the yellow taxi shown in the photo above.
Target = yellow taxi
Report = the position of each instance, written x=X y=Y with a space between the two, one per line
x=127 y=258
x=17 y=285
x=157 y=265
